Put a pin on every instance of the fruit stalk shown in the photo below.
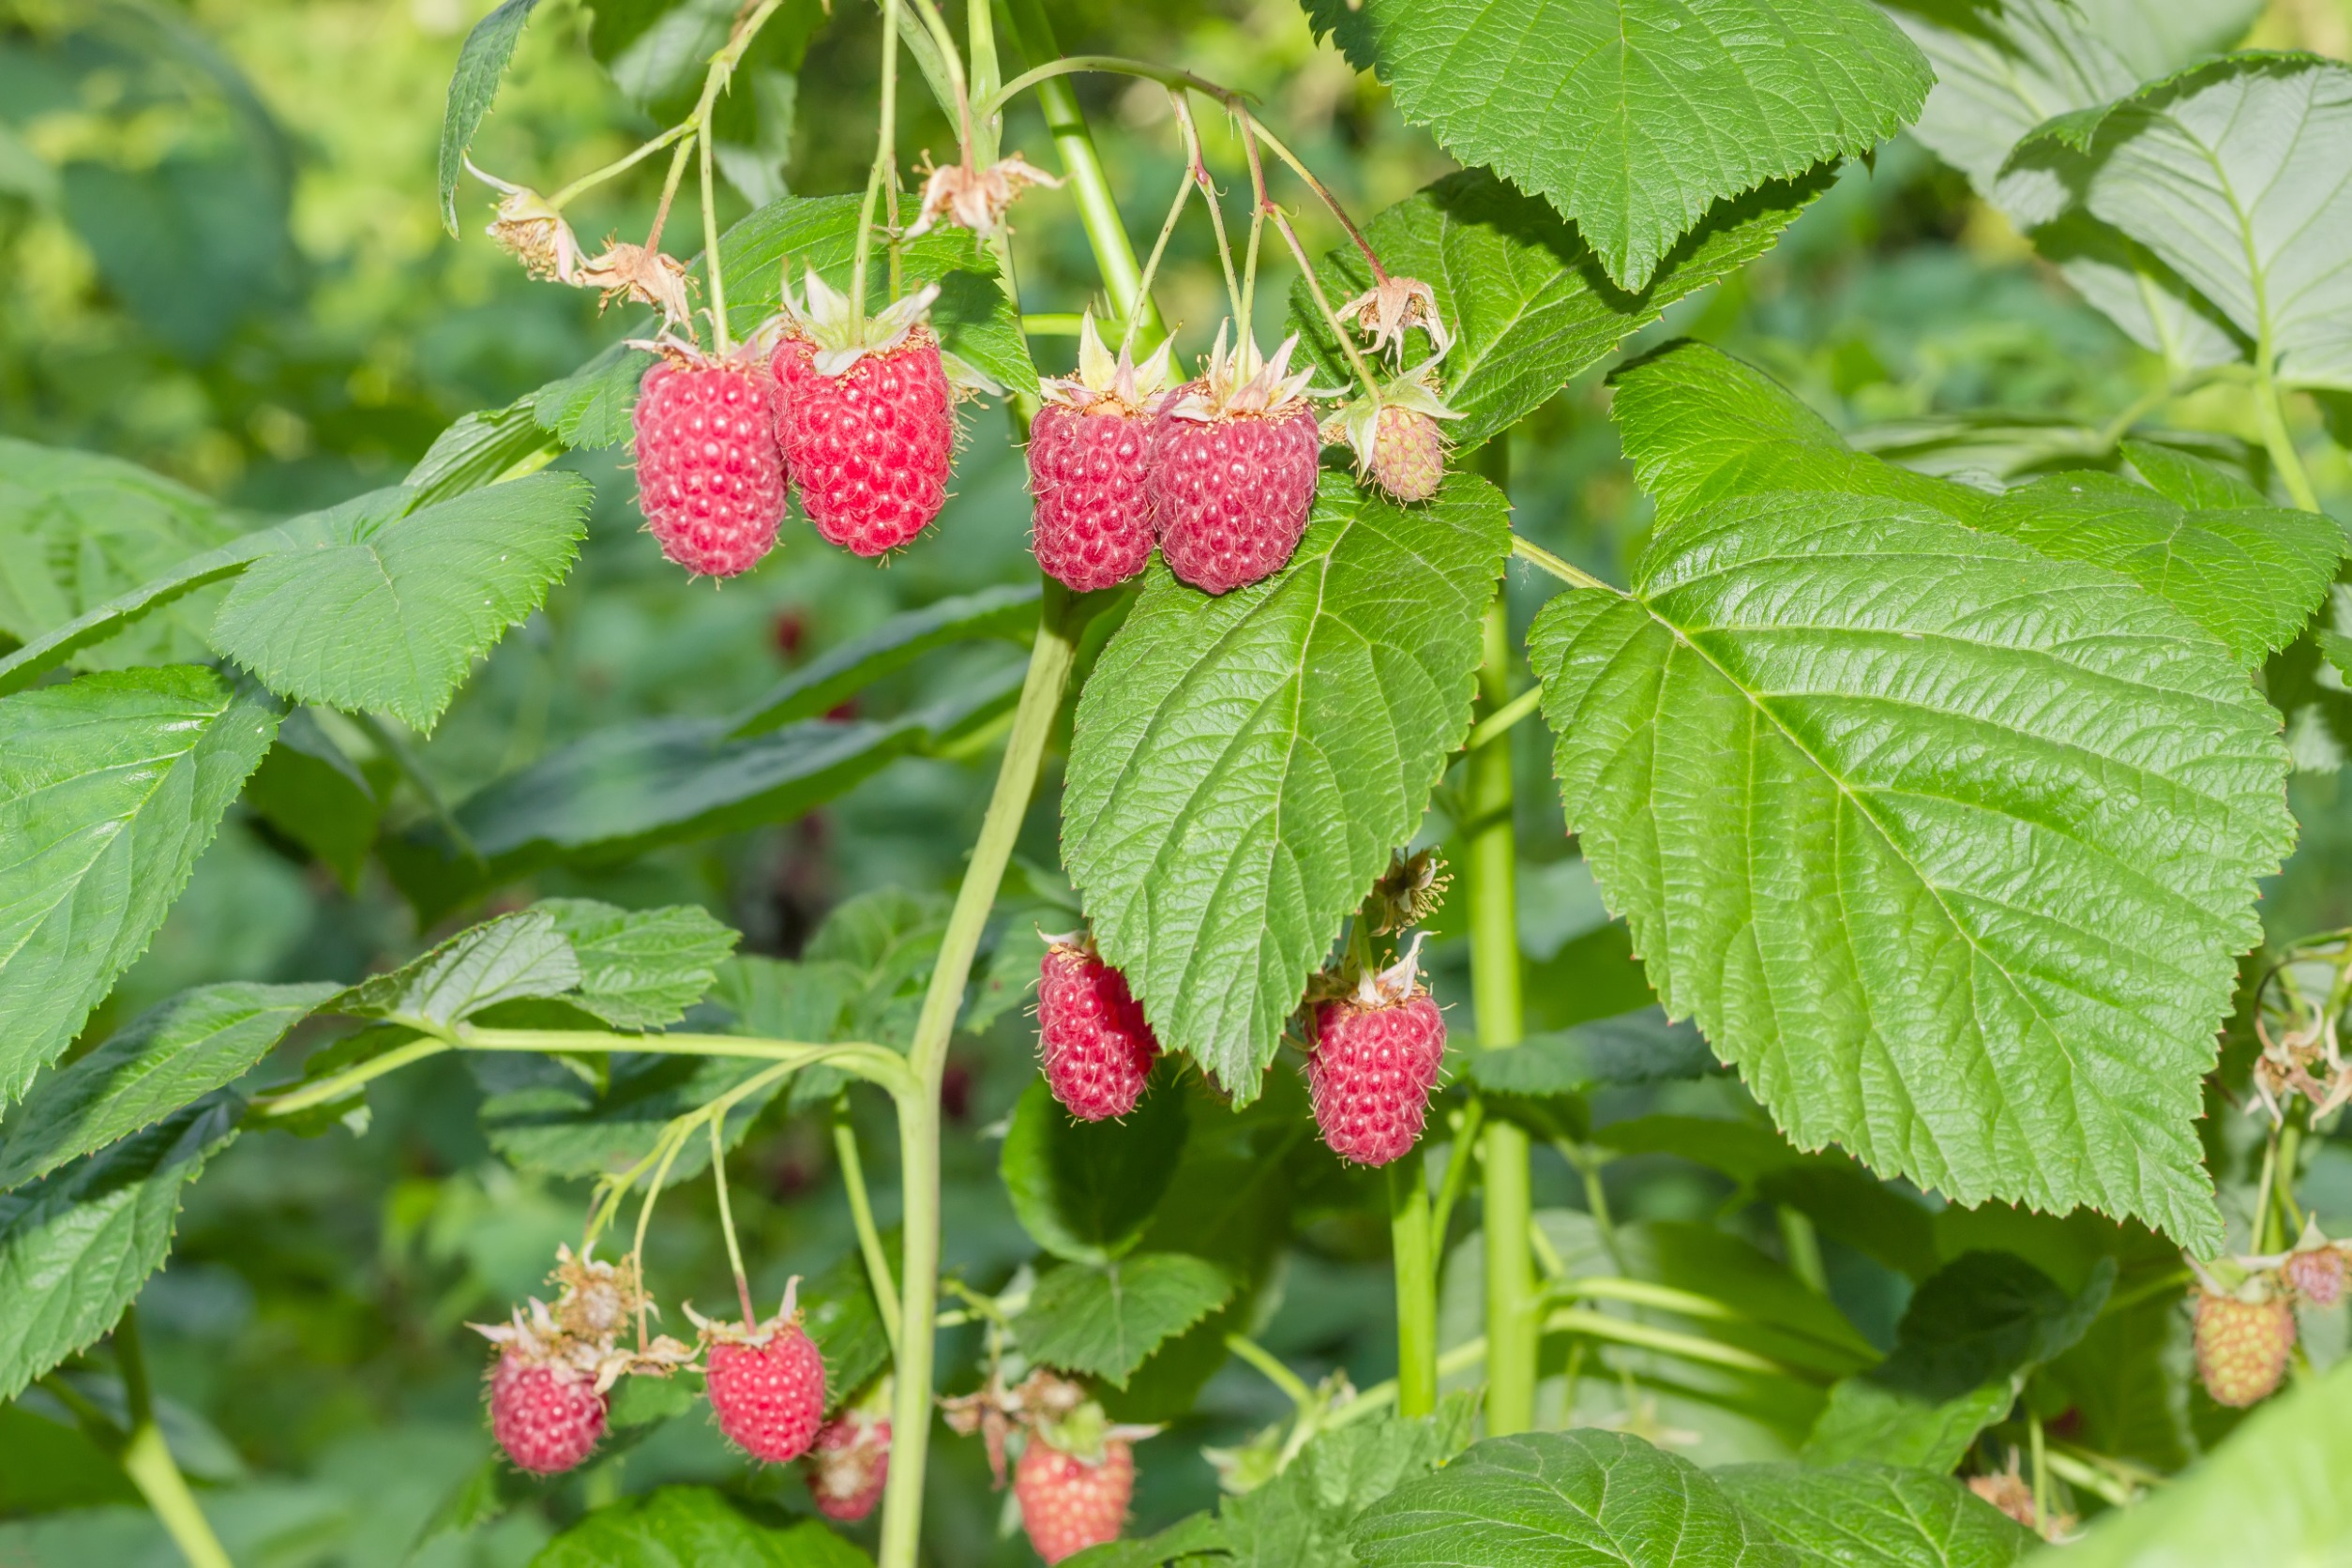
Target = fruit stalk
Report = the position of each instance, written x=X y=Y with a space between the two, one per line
x=2270 y=409
x=1060 y=620
x=1413 y=1248
x=884 y=155
x=147 y=1458
x=1490 y=870
x=862 y=1217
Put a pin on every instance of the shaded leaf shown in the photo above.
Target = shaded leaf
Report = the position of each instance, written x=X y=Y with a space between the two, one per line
x=1105 y=1320
x=310 y=790
x=837 y=673
x=1634 y=1048
x=558 y=1123
x=1085 y=1190
x=839 y=1313
x=686 y=1527
x=1872 y=1516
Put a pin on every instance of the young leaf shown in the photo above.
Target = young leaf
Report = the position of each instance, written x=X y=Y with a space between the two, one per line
x=2232 y=172
x=641 y=969
x=478 y=449
x=839 y=672
x=1876 y=1514
x=680 y=1524
x=506 y=959
x=109 y=787
x=1563 y=1496
x=1634 y=116
x=1105 y=1320
x=1242 y=766
x=310 y=790
x=480 y=64
x=76 y=1246
x=1300 y=1518
x=1528 y=305
x=381 y=607
x=1085 y=1190
x=2250 y=575
x=174 y=1052
x=1637 y=1048
x=1937 y=969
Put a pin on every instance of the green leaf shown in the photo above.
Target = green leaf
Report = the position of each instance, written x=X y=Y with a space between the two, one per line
x=839 y=1313
x=478 y=450
x=2250 y=575
x=1877 y=1515
x=1847 y=1204
x=381 y=607
x=826 y=681
x=1105 y=1320
x=686 y=1527
x=310 y=790
x=510 y=958
x=1529 y=304
x=480 y=64
x=1634 y=1049
x=545 y=1117
x=76 y=1246
x=811 y=1003
x=1935 y=968
x=887 y=940
x=2273 y=1494
x=1242 y=766
x=109 y=787
x=641 y=969
x=1633 y=117
x=1700 y=427
x=78 y=530
x=591 y=406
x=1300 y=1518
x=199 y=1041
x=2231 y=172
x=1968 y=1338
x=1551 y=1498
x=55 y=647
x=1085 y=1190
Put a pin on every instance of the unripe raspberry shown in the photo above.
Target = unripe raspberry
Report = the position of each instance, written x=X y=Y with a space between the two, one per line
x=869 y=447
x=1376 y=1056
x=1407 y=452
x=1091 y=1034
x=767 y=1385
x=2243 y=1346
x=709 y=477
x=2316 y=1275
x=1068 y=1504
x=545 y=1414
x=849 y=1466
x=2009 y=1492
x=1093 y=515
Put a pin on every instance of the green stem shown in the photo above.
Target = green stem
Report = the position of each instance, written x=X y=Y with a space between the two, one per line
x=1499 y=723
x=1209 y=199
x=1803 y=1246
x=1491 y=868
x=1289 y=1383
x=1046 y=78
x=954 y=63
x=1458 y=1160
x=2284 y=1207
x=147 y=1458
x=618 y=166
x=862 y=1216
x=1596 y=1199
x=1689 y=1347
x=886 y=154
x=726 y=1222
x=403 y=757
x=2041 y=1473
x=1060 y=618
x=1415 y=1266
x=2270 y=409
x=1099 y=212
x=1536 y=555
x=1340 y=333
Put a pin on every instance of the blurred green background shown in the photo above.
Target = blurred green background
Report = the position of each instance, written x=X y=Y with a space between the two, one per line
x=224 y=262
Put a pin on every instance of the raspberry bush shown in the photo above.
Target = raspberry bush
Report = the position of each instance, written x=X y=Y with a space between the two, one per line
x=1663 y=665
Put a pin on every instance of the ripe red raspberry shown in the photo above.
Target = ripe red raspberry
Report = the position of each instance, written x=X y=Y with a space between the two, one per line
x=767 y=1385
x=870 y=447
x=2316 y=1274
x=709 y=477
x=546 y=1415
x=2243 y=1346
x=1376 y=1056
x=1232 y=466
x=849 y=1466
x=1089 y=465
x=1068 y=1504
x=1091 y=1034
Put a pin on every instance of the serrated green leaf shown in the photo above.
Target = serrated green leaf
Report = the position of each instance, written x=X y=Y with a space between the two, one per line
x=839 y=1313
x=1105 y=1320
x=76 y=1246
x=1635 y=1048
x=1300 y=1518
x=1242 y=766
x=591 y=406
x=547 y=1119
x=641 y=969
x=829 y=679
x=472 y=88
x=1527 y=304
x=513 y=958
x=1875 y=1514
x=686 y=1527
x=381 y=607
x=479 y=449
x=2274 y=1493
x=1968 y=1338
x=1085 y=1190
x=199 y=1041
x=2232 y=173
x=1550 y=1498
x=1700 y=427
x=1937 y=971
x=310 y=790
x=78 y=530
x=2249 y=575
x=110 y=787
x=1633 y=117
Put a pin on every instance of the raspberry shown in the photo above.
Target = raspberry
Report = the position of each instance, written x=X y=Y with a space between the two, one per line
x=849 y=1466
x=545 y=1414
x=767 y=1385
x=1068 y=1504
x=2243 y=1346
x=1089 y=451
x=2007 y=1491
x=1096 y=1048
x=1407 y=454
x=1232 y=466
x=1375 y=1059
x=2316 y=1274
x=869 y=447
x=709 y=477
